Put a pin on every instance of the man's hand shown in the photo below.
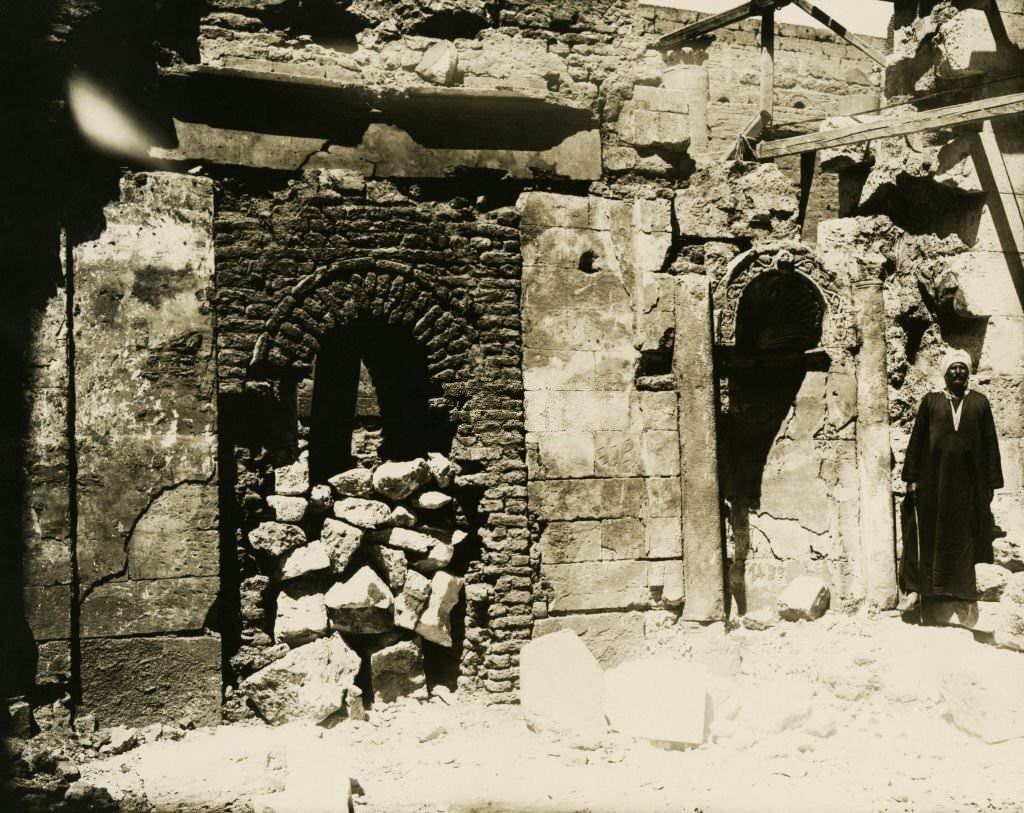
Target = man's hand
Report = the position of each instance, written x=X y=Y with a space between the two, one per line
x=911 y=488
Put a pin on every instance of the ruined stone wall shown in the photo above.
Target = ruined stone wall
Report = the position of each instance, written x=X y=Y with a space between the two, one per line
x=440 y=266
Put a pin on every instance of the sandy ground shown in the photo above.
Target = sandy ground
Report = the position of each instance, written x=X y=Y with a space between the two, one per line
x=840 y=715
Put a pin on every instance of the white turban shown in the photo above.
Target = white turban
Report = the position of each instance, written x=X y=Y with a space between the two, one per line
x=953 y=356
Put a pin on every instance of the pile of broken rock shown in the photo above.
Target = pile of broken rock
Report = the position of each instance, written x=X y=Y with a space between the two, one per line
x=358 y=564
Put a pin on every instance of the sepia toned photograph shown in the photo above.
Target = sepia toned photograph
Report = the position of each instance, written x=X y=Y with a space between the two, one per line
x=512 y=406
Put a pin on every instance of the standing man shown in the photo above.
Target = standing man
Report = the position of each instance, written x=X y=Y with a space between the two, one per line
x=951 y=468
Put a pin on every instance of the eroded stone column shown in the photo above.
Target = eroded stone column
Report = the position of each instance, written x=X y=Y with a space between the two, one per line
x=878 y=546
x=694 y=371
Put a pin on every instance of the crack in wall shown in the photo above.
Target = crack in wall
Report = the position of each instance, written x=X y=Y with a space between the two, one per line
x=123 y=570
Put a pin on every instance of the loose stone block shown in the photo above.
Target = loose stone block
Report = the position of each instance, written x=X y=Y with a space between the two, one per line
x=321 y=499
x=308 y=684
x=560 y=686
x=362 y=605
x=441 y=469
x=396 y=481
x=431 y=500
x=397 y=671
x=363 y=513
x=406 y=539
x=357 y=482
x=413 y=599
x=659 y=699
x=611 y=637
x=439 y=63
x=990 y=580
x=435 y=622
x=276 y=538
x=390 y=563
x=805 y=598
x=293 y=479
x=402 y=517
x=439 y=556
x=287 y=509
x=341 y=541
x=171 y=678
x=301 y=619
x=303 y=561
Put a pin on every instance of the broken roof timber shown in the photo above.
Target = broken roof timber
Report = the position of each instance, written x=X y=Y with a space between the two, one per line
x=950 y=116
x=702 y=28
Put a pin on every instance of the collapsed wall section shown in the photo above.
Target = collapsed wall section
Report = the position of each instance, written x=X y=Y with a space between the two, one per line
x=297 y=264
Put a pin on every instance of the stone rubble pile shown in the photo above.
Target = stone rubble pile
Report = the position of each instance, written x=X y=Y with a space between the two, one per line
x=359 y=563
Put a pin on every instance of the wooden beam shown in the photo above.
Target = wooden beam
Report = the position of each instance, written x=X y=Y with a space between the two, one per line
x=702 y=28
x=838 y=29
x=742 y=149
x=768 y=63
x=918 y=122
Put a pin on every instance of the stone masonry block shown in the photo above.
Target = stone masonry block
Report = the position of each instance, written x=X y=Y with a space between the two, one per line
x=612 y=637
x=587 y=586
x=170 y=679
x=551 y=369
x=617 y=454
x=663 y=538
x=587 y=499
x=177 y=535
x=664 y=498
x=563 y=454
x=659 y=449
x=150 y=606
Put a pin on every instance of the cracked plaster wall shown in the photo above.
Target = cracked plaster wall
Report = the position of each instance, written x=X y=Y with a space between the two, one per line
x=145 y=442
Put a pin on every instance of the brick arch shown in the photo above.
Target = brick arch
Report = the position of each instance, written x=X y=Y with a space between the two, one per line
x=837 y=329
x=362 y=288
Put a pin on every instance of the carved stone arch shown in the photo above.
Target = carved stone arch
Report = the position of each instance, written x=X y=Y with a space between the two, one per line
x=837 y=329
x=362 y=288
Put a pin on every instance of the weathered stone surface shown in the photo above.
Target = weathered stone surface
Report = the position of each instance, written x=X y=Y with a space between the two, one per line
x=431 y=500
x=659 y=699
x=990 y=580
x=363 y=513
x=442 y=469
x=966 y=45
x=301 y=619
x=435 y=621
x=150 y=606
x=287 y=509
x=439 y=63
x=307 y=684
x=144 y=368
x=357 y=482
x=402 y=517
x=397 y=671
x=321 y=499
x=171 y=678
x=293 y=479
x=252 y=598
x=760 y=619
x=655 y=117
x=305 y=560
x=1009 y=633
x=561 y=686
x=361 y=605
x=406 y=539
x=437 y=557
x=409 y=605
x=589 y=498
x=597 y=586
x=726 y=201
x=611 y=637
x=177 y=535
x=341 y=540
x=389 y=563
x=805 y=598
x=396 y=481
x=276 y=538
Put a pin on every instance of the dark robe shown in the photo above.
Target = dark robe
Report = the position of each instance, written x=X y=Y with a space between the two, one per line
x=955 y=472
